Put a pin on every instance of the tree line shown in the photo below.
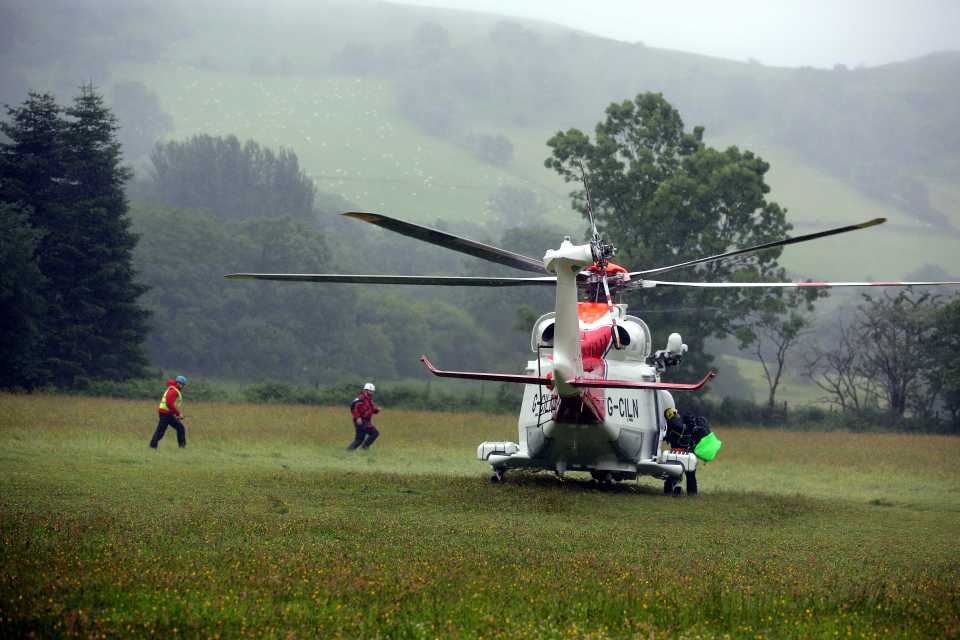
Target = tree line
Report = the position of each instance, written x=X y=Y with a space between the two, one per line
x=893 y=358
x=234 y=179
x=94 y=289
x=663 y=197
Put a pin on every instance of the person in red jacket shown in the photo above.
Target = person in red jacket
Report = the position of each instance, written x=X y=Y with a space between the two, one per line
x=170 y=410
x=362 y=410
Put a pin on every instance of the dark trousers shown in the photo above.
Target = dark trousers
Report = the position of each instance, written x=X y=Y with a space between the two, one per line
x=366 y=433
x=169 y=420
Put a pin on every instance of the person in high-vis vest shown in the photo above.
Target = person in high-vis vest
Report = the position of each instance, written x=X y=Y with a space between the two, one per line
x=171 y=411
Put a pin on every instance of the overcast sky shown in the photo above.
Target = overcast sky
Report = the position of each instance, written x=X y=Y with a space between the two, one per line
x=819 y=33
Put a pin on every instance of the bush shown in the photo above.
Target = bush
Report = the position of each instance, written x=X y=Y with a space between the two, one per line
x=504 y=399
x=151 y=389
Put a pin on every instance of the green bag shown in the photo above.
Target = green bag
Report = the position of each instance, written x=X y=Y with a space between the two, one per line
x=708 y=446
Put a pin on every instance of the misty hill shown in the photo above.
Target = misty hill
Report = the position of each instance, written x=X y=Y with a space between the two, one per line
x=442 y=115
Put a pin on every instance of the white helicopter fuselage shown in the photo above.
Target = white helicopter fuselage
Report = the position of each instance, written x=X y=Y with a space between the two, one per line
x=614 y=433
x=603 y=431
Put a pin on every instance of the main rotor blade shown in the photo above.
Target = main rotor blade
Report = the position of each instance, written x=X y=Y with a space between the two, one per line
x=450 y=241
x=761 y=247
x=646 y=284
x=446 y=281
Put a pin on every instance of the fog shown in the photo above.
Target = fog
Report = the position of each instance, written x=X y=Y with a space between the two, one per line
x=442 y=117
x=792 y=33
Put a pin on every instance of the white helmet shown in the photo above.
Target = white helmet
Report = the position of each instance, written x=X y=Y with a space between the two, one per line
x=369 y=387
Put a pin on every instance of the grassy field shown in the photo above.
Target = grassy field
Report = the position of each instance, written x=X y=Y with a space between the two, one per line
x=265 y=526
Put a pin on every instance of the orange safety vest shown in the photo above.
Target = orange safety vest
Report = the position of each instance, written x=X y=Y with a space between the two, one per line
x=163 y=400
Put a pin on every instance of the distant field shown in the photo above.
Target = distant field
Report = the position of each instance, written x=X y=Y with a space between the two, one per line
x=817 y=201
x=793 y=390
x=264 y=526
x=351 y=142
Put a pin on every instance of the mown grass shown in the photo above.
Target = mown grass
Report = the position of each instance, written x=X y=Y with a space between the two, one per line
x=265 y=526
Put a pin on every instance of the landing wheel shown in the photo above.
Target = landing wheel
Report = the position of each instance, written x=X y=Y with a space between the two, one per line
x=669 y=485
x=603 y=477
x=497 y=476
x=677 y=491
x=691 y=483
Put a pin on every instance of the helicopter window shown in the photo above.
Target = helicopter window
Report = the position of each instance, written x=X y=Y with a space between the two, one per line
x=623 y=335
x=547 y=335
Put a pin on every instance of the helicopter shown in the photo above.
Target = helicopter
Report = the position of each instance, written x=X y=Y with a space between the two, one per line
x=593 y=396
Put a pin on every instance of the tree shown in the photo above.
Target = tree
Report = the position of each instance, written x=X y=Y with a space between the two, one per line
x=31 y=164
x=516 y=206
x=430 y=39
x=31 y=172
x=945 y=365
x=773 y=330
x=493 y=149
x=233 y=180
x=877 y=356
x=102 y=324
x=837 y=369
x=662 y=197
x=239 y=330
x=900 y=329
x=143 y=120
x=65 y=166
x=21 y=299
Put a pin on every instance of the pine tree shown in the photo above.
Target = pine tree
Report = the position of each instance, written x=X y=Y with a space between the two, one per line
x=108 y=327
x=31 y=182
x=31 y=164
x=64 y=166
x=21 y=300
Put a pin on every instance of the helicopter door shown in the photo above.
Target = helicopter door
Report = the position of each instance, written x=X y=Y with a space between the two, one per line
x=537 y=409
x=632 y=412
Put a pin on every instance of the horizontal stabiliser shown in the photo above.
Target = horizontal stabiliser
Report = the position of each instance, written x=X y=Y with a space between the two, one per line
x=583 y=383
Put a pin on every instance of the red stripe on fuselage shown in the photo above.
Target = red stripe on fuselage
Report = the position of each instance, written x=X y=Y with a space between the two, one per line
x=594 y=345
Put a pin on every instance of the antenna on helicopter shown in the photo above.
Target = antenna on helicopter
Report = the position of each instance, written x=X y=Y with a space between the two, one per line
x=586 y=191
x=601 y=253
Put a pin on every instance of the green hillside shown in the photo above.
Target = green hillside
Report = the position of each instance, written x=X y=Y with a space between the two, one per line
x=335 y=86
x=380 y=102
x=350 y=141
x=388 y=107
x=816 y=200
